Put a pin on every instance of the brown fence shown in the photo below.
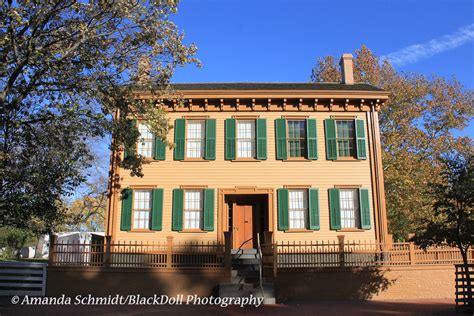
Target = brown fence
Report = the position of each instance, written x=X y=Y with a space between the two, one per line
x=356 y=254
x=129 y=254
x=465 y=286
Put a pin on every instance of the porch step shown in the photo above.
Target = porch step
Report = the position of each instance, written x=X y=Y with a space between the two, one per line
x=241 y=256
x=247 y=261
x=248 y=251
x=245 y=290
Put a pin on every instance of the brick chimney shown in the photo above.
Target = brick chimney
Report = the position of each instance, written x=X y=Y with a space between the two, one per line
x=347 y=69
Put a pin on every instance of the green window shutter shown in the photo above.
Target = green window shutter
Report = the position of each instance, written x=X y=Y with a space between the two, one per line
x=334 y=209
x=177 y=217
x=230 y=140
x=179 y=138
x=331 y=146
x=364 y=208
x=160 y=149
x=360 y=137
x=210 y=149
x=126 y=214
x=313 y=209
x=208 y=209
x=280 y=133
x=261 y=131
x=283 y=209
x=157 y=209
x=311 y=138
x=130 y=150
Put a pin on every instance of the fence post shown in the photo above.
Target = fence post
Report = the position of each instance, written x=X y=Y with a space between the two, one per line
x=275 y=259
x=228 y=251
x=169 y=251
x=412 y=253
x=108 y=241
x=52 y=248
x=341 y=250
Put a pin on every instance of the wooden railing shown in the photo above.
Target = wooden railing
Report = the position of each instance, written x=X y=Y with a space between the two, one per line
x=356 y=254
x=129 y=254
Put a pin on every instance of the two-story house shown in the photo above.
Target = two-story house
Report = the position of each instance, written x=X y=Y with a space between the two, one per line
x=301 y=160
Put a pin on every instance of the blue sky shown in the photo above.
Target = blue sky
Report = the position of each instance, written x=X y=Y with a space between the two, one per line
x=280 y=40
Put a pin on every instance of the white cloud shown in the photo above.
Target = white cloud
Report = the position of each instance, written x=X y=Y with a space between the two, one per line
x=413 y=53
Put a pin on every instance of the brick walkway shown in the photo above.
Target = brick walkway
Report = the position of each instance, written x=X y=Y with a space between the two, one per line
x=346 y=308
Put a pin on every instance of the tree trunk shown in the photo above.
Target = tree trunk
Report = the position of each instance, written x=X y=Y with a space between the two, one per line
x=39 y=247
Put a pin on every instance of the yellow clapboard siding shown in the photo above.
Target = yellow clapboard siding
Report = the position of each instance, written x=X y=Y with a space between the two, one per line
x=272 y=173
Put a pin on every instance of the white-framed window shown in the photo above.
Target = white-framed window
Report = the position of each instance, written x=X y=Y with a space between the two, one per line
x=141 y=209
x=298 y=209
x=349 y=204
x=245 y=139
x=145 y=141
x=193 y=209
x=195 y=137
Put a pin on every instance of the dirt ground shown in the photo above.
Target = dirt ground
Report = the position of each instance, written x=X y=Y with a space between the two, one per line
x=346 y=308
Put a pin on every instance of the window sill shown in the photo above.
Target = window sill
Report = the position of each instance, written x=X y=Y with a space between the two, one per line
x=297 y=159
x=193 y=231
x=299 y=231
x=195 y=160
x=351 y=230
x=346 y=159
x=142 y=231
x=246 y=160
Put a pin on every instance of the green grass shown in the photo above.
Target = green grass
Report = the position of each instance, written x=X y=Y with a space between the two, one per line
x=24 y=260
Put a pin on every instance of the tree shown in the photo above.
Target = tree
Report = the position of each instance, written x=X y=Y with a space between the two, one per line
x=66 y=67
x=453 y=221
x=417 y=127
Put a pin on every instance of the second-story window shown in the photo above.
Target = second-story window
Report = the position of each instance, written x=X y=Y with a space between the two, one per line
x=345 y=135
x=297 y=138
x=195 y=138
x=145 y=141
x=245 y=139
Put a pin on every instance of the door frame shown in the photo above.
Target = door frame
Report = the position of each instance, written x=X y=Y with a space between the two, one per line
x=223 y=209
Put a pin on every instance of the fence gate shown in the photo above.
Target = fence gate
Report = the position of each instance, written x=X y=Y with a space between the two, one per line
x=22 y=278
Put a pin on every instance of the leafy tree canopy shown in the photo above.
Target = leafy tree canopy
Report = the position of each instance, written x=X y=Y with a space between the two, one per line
x=417 y=127
x=66 y=67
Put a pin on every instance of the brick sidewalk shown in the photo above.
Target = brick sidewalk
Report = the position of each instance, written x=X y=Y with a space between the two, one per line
x=346 y=308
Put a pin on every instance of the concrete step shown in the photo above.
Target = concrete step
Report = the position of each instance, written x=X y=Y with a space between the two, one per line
x=244 y=256
x=244 y=251
x=245 y=267
x=251 y=261
x=245 y=273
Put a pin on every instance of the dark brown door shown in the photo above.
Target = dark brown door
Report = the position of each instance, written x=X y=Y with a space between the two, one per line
x=243 y=234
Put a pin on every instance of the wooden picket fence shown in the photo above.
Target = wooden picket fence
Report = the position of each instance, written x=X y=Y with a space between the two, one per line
x=356 y=254
x=129 y=254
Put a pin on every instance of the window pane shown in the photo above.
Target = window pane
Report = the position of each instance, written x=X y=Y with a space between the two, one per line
x=297 y=138
x=245 y=139
x=349 y=203
x=141 y=209
x=145 y=141
x=298 y=210
x=345 y=138
x=193 y=209
x=195 y=139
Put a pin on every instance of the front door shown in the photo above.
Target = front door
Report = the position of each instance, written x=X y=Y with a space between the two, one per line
x=243 y=226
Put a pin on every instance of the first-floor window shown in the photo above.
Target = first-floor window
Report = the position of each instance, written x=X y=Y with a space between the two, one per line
x=141 y=209
x=245 y=139
x=298 y=210
x=349 y=203
x=193 y=209
x=195 y=136
x=145 y=141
